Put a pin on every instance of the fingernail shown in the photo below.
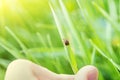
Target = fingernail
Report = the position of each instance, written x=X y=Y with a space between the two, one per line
x=92 y=74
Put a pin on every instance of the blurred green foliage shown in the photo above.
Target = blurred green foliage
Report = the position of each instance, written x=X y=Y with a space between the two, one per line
x=35 y=30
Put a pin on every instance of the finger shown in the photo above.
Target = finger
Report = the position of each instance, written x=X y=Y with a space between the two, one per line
x=19 y=70
x=26 y=70
x=65 y=77
x=87 y=73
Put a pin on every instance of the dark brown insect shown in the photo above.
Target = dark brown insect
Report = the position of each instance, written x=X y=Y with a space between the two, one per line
x=66 y=42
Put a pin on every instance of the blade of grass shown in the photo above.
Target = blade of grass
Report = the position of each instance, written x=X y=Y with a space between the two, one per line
x=41 y=40
x=4 y=63
x=13 y=52
x=113 y=10
x=24 y=48
x=54 y=58
x=119 y=10
x=2 y=73
x=93 y=56
x=103 y=54
x=58 y=25
x=76 y=38
x=72 y=58
x=17 y=39
x=107 y=16
x=69 y=23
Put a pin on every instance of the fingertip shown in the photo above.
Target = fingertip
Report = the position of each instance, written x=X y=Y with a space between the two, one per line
x=92 y=73
x=88 y=72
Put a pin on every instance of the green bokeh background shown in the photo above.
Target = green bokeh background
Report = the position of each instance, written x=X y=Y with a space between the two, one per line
x=29 y=30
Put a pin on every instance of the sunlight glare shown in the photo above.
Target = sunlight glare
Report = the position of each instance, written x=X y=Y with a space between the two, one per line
x=8 y=4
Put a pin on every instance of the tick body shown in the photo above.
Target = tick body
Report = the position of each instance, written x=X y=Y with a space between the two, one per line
x=66 y=42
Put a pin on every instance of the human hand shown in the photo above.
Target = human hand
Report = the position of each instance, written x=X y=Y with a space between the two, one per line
x=26 y=70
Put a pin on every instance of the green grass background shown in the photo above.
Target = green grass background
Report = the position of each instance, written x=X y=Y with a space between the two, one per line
x=36 y=30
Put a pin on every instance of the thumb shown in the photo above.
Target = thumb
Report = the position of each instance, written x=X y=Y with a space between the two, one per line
x=87 y=73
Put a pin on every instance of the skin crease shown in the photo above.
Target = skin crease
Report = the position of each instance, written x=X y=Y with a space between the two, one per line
x=25 y=70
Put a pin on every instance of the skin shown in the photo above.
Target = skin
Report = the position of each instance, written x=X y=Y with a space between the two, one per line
x=26 y=70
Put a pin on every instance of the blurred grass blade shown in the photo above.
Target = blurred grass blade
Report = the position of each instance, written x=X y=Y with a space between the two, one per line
x=50 y=42
x=72 y=58
x=93 y=56
x=10 y=48
x=119 y=10
x=69 y=23
x=41 y=40
x=113 y=10
x=4 y=62
x=59 y=26
x=107 y=16
x=2 y=73
x=103 y=54
x=13 y=52
x=17 y=39
x=108 y=33
x=116 y=65
x=24 y=48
